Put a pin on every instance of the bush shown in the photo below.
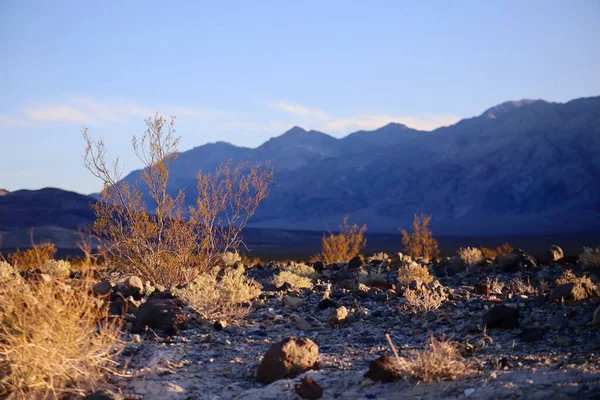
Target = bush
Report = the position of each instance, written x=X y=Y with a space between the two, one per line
x=423 y=301
x=372 y=277
x=343 y=246
x=378 y=257
x=7 y=272
x=54 y=339
x=471 y=256
x=216 y=299
x=35 y=257
x=420 y=243
x=413 y=271
x=439 y=361
x=230 y=258
x=296 y=281
x=590 y=257
x=58 y=268
x=300 y=269
x=164 y=241
x=503 y=249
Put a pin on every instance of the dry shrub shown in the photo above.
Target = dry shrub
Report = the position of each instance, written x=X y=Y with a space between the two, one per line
x=343 y=246
x=224 y=298
x=471 y=256
x=32 y=258
x=300 y=269
x=423 y=301
x=58 y=268
x=567 y=277
x=420 y=243
x=54 y=339
x=229 y=258
x=503 y=249
x=163 y=241
x=374 y=276
x=495 y=286
x=518 y=285
x=439 y=361
x=296 y=281
x=590 y=257
x=413 y=271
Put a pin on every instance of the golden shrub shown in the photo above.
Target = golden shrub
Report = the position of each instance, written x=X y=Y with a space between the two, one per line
x=35 y=257
x=420 y=243
x=413 y=271
x=343 y=246
x=296 y=281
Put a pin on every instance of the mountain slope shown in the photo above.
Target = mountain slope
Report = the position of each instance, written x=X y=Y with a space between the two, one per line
x=528 y=166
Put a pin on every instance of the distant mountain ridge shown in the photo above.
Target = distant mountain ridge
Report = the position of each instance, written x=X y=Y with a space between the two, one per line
x=528 y=166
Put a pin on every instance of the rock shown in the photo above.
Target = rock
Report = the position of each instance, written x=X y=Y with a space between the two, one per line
x=309 y=389
x=103 y=395
x=559 y=321
x=287 y=359
x=356 y=263
x=530 y=335
x=120 y=305
x=431 y=316
x=553 y=254
x=515 y=262
x=596 y=319
x=301 y=323
x=327 y=303
x=220 y=325
x=501 y=316
x=383 y=369
x=348 y=284
x=102 y=288
x=132 y=286
x=338 y=317
x=319 y=266
x=164 y=314
x=292 y=301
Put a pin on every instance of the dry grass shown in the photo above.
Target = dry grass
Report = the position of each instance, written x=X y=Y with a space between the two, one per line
x=60 y=269
x=32 y=258
x=420 y=243
x=518 y=285
x=296 y=281
x=413 y=271
x=300 y=269
x=423 y=301
x=54 y=339
x=567 y=277
x=495 y=286
x=503 y=249
x=471 y=256
x=439 y=361
x=226 y=298
x=343 y=246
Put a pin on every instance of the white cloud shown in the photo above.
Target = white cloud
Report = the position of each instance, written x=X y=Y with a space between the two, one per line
x=6 y=120
x=327 y=122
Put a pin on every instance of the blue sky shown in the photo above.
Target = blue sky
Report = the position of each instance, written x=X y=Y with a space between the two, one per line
x=246 y=71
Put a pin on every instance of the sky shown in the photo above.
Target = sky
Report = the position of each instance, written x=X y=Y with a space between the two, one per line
x=243 y=72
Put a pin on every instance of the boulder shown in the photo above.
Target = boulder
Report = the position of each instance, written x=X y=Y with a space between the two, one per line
x=338 y=317
x=287 y=358
x=515 y=262
x=292 y=301
x=309 y=389
x=164 y=314
x=501 y=316
x=574 y=291
x=356 y=263
x=301 y=323
x=327 y=303
x=102 y=288
x=553 y=254
x=132 y=286
x=383 y=369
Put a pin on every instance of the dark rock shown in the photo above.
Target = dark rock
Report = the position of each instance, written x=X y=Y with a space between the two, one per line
x=319 y=266
x=559 y=321
x=552 y=255
x=356 y=263
x=383 y=369
x=220 y=325
x=482 y=288
x=102 y=395
x=530 y=335
x=286 y=286
x=501 y=316
x=102 y=288
x=327 y=303
x=161 y=314
x=309 y=389
x=119 y=305
x=287 y=359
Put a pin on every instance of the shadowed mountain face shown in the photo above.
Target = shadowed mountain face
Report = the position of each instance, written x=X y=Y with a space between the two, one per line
x=528 y=166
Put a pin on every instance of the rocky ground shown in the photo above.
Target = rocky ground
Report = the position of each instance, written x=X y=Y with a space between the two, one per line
x=522 y=335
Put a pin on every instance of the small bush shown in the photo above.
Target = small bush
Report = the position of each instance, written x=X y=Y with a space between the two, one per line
x=518 y=285
x=471 y=256
x=420 y=243
x=423 y=301
x=439 y=361
x=296 y=281
x=35 y=257
x=54 y=339
x=503 y=249
x=58 y=268
x=217 y=299
x=343 y=246
x=230 y=258
x=300 y=269
x=567 y=277
x=590 y=257
x=7 y=272
x=372 y=277
x=494 y=286
x=378 y=257
x=413 y=271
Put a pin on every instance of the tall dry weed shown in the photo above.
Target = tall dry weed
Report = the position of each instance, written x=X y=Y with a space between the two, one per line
x=343 y=246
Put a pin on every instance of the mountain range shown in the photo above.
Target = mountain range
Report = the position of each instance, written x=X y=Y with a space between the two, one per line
x=522 y=167
x=528 y=166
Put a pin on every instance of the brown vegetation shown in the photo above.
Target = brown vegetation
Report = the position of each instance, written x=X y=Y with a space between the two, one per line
x=343 y=246
x=172 y=244
x=34 y=257
x=503 y=249
x=420 y=243
x=54 y=339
